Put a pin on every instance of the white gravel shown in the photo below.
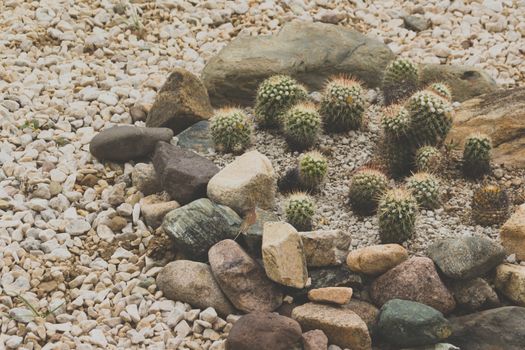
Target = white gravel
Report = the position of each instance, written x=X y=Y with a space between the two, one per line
x=72 y=240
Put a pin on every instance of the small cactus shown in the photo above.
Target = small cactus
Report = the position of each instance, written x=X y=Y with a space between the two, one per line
x=476 y=155
x=431 y=118
x=299 y=210
x=366 y=188
x=490 y=205
x=274 y=97
x=428 y=159
x=396 y=150
x=426 y=190
x=312 y=170
x=397 y=213
x=231 y=130
x=395 y=121
x=442 y=90
x=400 y=80
x=342 y=105
x=302 y=126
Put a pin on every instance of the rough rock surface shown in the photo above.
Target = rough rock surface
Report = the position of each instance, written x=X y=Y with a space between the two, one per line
x=496 y=329
x=193 y=283
x=376 y=259
x=417 y=280
x=325 y=247
x=315 y=340
x=253 y=234
x=154 y=211
x=243 y=280
x=197 y=226
x=343 y=327
x=408 y=323
x=474 y=295
x=512 y=233
x=264 y=331
x=144 y=178
x=466 y=257
x=310 y=52
x=196 y=138
x=126 y=142
x=510 y=280
x=366 y=311
x=331 y=295
x=181 y=102
x=182 y=173
x=500 y=115
x=247 y=182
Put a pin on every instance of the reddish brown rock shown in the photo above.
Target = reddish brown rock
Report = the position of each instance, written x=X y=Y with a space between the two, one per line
x=241 y=279
x=417 y=280
x=315 y=340
x=331 y=295
x=366 y=311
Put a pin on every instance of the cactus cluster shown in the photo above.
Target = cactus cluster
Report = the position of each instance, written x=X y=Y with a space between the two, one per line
x=299 y=211
x=428 y=159
x=442 y=90
x=396 y=150
x=426 y=190
x=342 y=105
x=490 y=205
x=400 y=80
x=274 y=97
x=476 y=155
x=312 y=170
x=231 y=130
x=397 y=213
x=302 y=126
x=366 y=188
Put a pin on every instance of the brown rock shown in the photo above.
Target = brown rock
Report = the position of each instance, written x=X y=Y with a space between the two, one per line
x=154 y=213
x=117 y=223
x=342 y=326
x=512 y=233
x=315 y=340
x=510 y=280
x=416 y=280
x=366 y=311
x=181 y=102
x=264 y=331
x=242 y=280
x=376 y=259
x=500 y=115
x=325 y=247
x=332 y=295
x=474 y=295
x=144 y=178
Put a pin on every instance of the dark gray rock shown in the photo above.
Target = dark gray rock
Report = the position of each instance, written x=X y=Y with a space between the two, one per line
x=197 y=226
x=466 y=257
x=474 y=295
x=182 y=173
x=181 y=102
x=196 y=138
x=253 y=234
x=126 y=142
x=243 y=280
x=310 y=52
x=408 y=323
x=496 y=329
x=193 y=283
x=416 y=23
x=264 y=331
x=339 y=276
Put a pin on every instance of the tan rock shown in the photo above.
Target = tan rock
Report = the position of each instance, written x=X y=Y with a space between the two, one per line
x=376 y=259
x=325 y=247
x=333 y=295
x=246 y=182
x=510 y=280
x=343 y=327
x=512 y=233
x=283 y=255
x=500 y=115
x=154 y=213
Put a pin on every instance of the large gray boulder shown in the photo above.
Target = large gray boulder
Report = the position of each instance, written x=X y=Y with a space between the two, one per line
x=310 y=52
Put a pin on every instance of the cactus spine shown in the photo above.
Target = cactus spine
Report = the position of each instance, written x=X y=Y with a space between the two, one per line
x=312 y=170
x=426 y=190
x=299 y=210
x=428 y=159
x=476 y=155
x=396 y=149
x=302 y=126
x=231 y=130
x=397 y=213
x=366 y=188
x=342 y=105
x=490 y=205
x=442 y=90
x=400 y=80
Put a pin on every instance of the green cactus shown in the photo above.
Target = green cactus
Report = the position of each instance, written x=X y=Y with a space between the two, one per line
x=476 y=155
x=395 y=121
x=275 y=96
x=342 y=105
x=400 y=80
x=231 y=130
x=299 y=210
x=302 y=126
x=312 y=170
x=366 y=188
x=490 y=205
x=431 y=118
x=442 y=90
x=396 y=151
x=426 y=189
x=397 y=213
x=428 y=159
